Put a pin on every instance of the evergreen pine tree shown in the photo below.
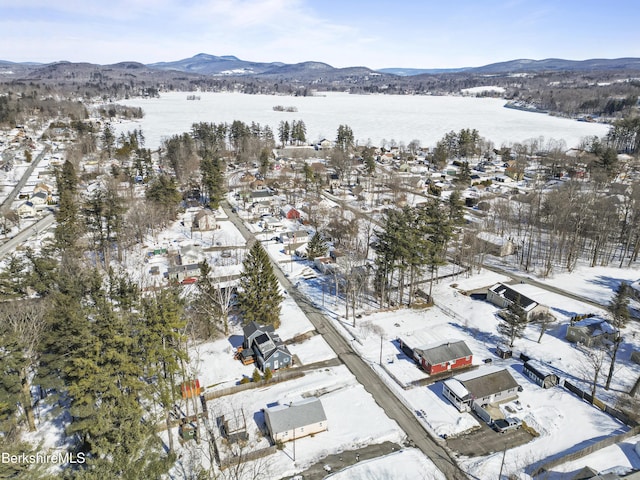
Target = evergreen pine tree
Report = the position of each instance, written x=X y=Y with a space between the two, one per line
x=68 y=223
x=316 y=247
x=212 y=171
x=619 y=311
x=259 y=295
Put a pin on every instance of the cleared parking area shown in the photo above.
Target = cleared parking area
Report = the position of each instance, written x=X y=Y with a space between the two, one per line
x=486 y=440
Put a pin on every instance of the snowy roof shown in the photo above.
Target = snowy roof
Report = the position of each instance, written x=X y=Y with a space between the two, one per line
x=492 y=238
x=283 y=418
x=417 y=340
x=515 y=297
x=538 y=368
x=595 y=325
x=487 y=381
x=444 y=352
x=457 y=388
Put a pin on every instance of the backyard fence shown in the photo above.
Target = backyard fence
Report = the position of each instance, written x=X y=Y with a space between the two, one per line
x=594 y=447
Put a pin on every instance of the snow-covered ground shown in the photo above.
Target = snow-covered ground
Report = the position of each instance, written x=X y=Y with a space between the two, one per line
x=407 y=464
x=346 y=405
x=553 y=413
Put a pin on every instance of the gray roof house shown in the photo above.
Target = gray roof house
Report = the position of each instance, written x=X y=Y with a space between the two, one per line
x=180 y=272
x=268 y=350
x=590 y=331
x=204 y=220
x=483 y=386
x=295 y=420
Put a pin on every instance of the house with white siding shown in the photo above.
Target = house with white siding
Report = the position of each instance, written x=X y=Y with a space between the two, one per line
x=298 y=419
x=482 y=387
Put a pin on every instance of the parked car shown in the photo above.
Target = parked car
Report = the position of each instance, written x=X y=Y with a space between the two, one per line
x=503 y=425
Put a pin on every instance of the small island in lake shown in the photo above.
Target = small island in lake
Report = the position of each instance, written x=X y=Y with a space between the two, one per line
x=281 y=108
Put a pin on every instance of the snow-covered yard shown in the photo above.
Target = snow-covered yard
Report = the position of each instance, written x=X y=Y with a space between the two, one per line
x=553 y=413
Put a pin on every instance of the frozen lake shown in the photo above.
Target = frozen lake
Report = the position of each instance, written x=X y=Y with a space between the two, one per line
x=373 y=118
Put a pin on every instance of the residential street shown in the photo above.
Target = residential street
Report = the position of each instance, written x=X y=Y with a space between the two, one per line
x=10 y=245
x=383 y=396
x=6 y=204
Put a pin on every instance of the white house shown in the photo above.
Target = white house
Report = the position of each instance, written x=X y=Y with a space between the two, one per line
x=504 y=295
x=39 y=198
x=26 y=209
x=204 y=220
x=297 y=237
x=295 y=420
x=483 y=386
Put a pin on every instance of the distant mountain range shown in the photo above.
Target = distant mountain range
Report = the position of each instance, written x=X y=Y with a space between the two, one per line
x=229 y=65
x=206 y=64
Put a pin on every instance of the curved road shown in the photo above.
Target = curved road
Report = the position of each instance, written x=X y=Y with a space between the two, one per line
x=383 y=396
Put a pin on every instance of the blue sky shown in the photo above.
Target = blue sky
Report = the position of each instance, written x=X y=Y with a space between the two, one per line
x=373 y=33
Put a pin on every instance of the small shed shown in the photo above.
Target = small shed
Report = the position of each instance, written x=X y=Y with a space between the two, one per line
x=503 y=351
x=233 y=426
x=540 y=374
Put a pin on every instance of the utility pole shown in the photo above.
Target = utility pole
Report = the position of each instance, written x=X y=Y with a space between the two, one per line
x=504 y=454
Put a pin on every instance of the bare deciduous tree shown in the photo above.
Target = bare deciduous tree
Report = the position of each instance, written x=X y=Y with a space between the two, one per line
x=25 y=321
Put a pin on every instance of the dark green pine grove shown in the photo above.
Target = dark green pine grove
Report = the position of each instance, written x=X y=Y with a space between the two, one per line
x=412 y=244
x=259 y=295
x=107 y=356
x=114 y=358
